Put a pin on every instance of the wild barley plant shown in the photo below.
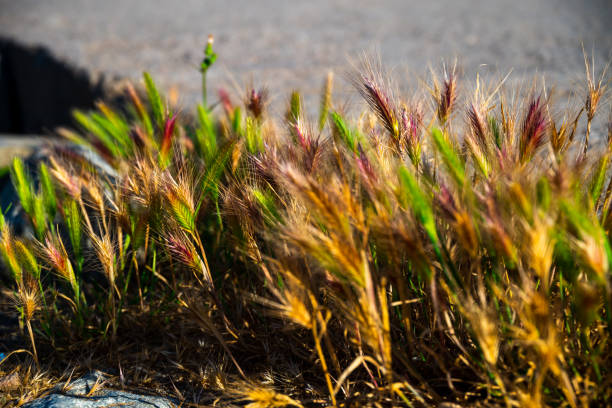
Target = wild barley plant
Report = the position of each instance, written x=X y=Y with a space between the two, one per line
x=436 y=250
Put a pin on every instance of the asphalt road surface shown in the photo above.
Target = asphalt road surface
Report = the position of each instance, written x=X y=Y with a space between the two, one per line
x=293 y=44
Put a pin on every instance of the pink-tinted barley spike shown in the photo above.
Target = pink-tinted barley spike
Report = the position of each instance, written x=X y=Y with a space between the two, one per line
x=447 y=98
x=477 y=125
x=445 y=201
x=256 y=101
x=365 y=167
x=167 y=137
x=534 y=129
x=380 y=103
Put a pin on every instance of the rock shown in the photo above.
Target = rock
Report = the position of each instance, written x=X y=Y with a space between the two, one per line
x=79 y=394
x=17 y=145
x=35 y=150
x=10 y=382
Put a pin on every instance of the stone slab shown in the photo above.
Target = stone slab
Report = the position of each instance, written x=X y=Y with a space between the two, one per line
x=17 y=145
x=78 y=394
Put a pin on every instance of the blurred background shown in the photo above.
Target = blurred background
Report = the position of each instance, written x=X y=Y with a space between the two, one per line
x=56 y=54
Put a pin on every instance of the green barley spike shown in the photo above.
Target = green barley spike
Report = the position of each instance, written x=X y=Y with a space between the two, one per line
x=449 y=156
x=206 y=135
x=39 y=215
x=157 y=105
x=48 y=190
x=341 y=129
x=73 y=222
x=325 y=101
x=295 y=107
x=23 y=184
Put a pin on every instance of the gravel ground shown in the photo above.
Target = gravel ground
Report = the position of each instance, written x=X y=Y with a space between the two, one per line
x=288 y=44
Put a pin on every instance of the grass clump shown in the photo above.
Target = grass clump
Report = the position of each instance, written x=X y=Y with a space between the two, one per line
x=453 y=254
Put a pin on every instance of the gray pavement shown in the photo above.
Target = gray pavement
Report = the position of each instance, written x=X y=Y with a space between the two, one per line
x=292 y=44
